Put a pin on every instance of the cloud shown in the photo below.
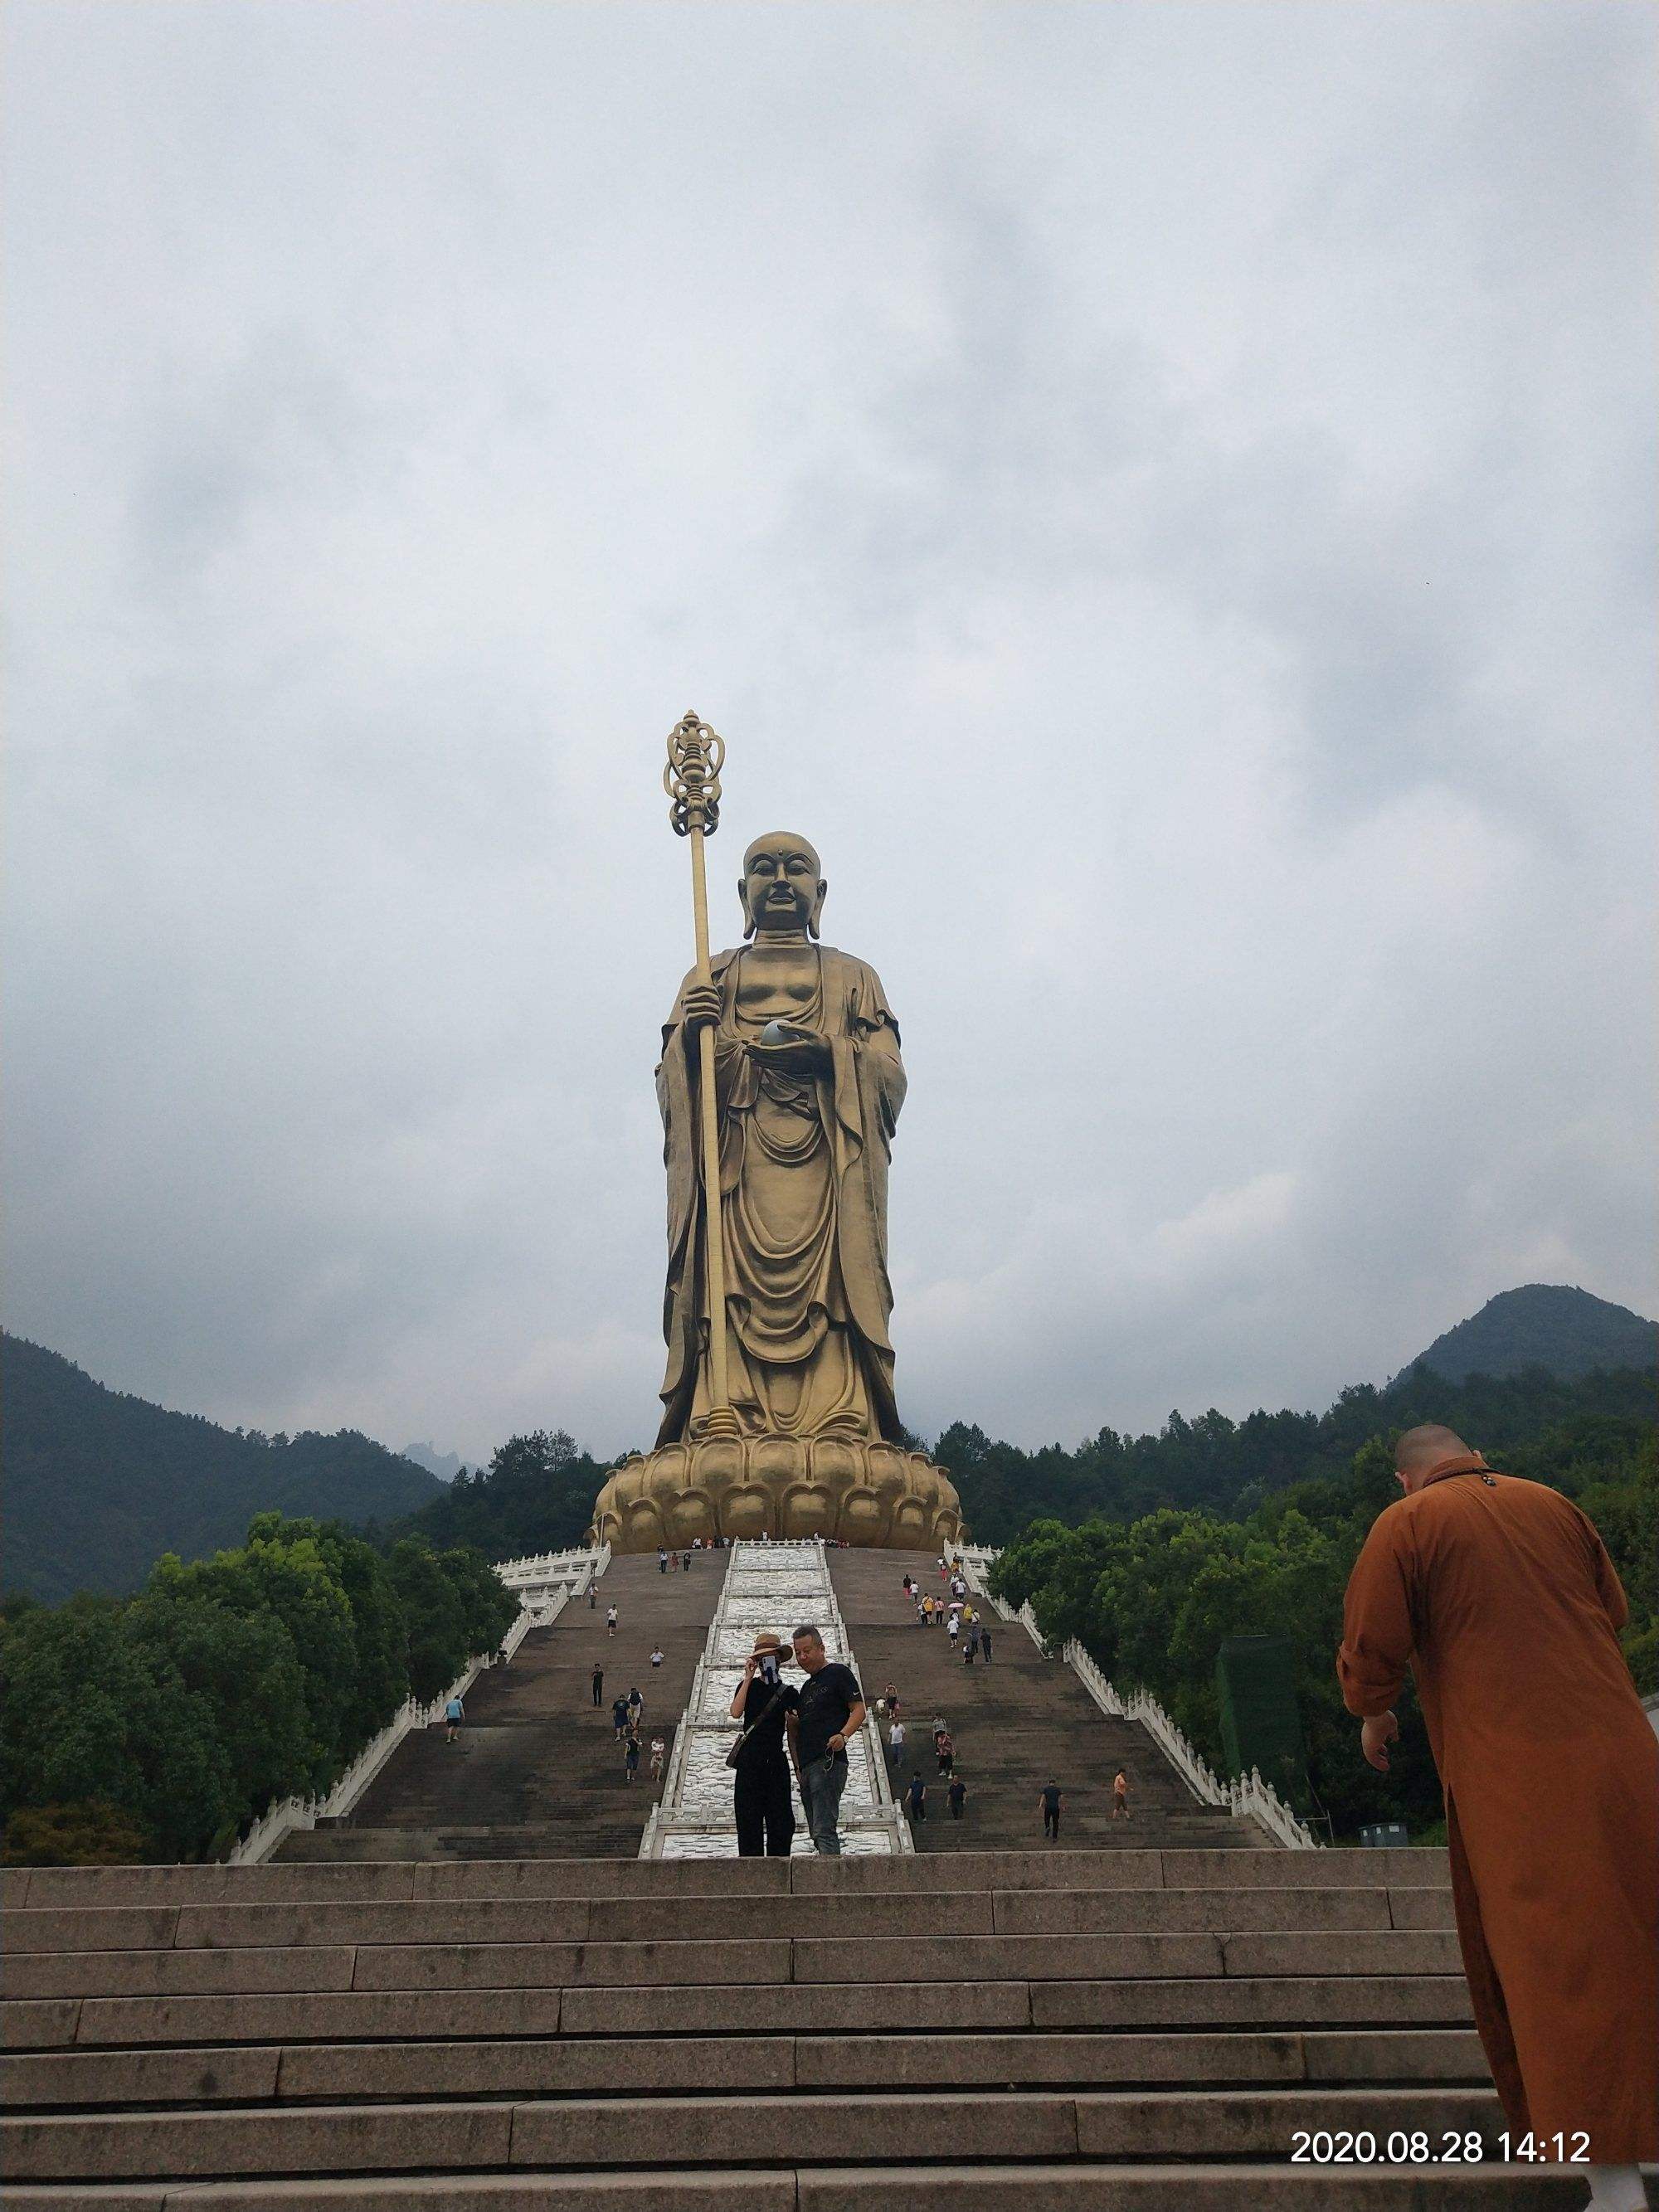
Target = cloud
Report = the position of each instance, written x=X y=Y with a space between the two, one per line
x=1161 y=496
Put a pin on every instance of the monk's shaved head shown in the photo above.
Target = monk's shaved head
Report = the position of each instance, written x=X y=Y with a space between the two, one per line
x=1420 y=1448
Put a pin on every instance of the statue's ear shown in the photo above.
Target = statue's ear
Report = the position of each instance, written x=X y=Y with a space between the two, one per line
x=747 y=911
x=816 y=908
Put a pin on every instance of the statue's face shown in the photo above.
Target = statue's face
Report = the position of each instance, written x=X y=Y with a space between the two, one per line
x=782 y=888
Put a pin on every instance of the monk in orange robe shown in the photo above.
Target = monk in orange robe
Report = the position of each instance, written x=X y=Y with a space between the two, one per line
x=1500 y=1596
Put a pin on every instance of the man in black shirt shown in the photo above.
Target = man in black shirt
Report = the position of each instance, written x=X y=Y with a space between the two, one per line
x=828 y=1714
x=761 y=1797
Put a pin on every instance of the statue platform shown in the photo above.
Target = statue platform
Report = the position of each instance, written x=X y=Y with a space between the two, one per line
x=848 y=1489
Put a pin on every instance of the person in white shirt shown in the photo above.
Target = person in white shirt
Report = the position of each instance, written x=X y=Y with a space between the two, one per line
x=656 y=1655
x=896 y=1745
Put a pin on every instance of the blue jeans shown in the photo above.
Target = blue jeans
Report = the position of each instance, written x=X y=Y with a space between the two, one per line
x=820 y=1794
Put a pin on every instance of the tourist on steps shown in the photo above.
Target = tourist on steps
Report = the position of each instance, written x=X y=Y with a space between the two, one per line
x=956 y=1796
x=619 y=1716
x=761 y=1800
x=658 y=1754
x=1120 y=1795
x=662 y=1561
x=631 y=1757
x=915 y=1797
x=1050 y=1801
x=984 y=1644
x=829 y=1713
x=946 y=1749
x=656 y=1655
x=610 y=1621
x=598 y=1686
x=453 y=1716
x=896 y=1747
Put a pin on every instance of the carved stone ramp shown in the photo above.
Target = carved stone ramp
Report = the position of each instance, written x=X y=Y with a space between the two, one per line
x=536 y=1771
x=1082 y=2029
x=1018 y=1724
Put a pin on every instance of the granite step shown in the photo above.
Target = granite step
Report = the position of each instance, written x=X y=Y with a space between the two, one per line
x=893 y=2008
x=859 y=1959
x=95 y=1889
x=1081 y=2185
x=634 y=2067
x=262 y=1926
x=459 y=2135
x=824 y=2007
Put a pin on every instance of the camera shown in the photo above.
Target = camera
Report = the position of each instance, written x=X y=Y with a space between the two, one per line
x=769 y=1667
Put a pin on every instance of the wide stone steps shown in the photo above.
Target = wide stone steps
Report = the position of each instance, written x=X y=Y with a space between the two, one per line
x=1086 y=2029
x=1017 y=1724
x=537 y=1769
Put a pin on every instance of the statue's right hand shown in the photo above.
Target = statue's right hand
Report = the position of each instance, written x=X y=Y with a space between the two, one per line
x=700 y=1007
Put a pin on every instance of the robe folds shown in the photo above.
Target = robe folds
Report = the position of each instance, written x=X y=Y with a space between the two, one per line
x=1500 y=1596
x=803 y=1163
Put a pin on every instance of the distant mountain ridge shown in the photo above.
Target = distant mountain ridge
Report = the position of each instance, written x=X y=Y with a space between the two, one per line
x=99 y=1484
x=445 y=1465
x=1566 y=1331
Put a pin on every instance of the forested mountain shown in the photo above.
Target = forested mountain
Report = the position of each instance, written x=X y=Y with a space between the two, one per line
x=1549 y=1325
x=99 y=1484
x=1229 y=1467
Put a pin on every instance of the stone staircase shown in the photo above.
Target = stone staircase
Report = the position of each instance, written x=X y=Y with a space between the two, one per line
x=536 y=1771
x=1085 y=2030
x=1018 y=1724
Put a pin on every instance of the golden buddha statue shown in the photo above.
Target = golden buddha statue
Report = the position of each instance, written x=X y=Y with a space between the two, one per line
x=808 y=1085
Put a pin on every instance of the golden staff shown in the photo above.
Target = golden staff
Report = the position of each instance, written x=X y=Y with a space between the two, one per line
x=692 y=780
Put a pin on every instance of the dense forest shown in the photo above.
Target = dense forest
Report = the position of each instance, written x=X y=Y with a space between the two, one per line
x=99 y=1484
x=1150 y=1591
x=1229 y=1467
x=161 y=1726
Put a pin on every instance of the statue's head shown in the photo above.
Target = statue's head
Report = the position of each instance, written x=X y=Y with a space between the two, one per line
x=782 y=888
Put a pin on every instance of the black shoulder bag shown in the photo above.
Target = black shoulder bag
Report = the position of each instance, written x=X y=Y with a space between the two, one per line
x=765 y=1714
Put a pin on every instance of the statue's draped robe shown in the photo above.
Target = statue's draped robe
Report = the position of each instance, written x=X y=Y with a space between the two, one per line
x=803 y=1201
x=1499 y=1595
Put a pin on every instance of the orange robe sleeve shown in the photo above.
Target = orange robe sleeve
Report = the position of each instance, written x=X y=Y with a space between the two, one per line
x=1608 y=1587
x=1378 y=1634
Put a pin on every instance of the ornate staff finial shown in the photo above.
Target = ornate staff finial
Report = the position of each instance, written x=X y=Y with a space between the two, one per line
x=692 y=780
x=692 y=777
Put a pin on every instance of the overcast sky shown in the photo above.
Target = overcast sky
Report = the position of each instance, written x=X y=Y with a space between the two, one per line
x=1161 y=494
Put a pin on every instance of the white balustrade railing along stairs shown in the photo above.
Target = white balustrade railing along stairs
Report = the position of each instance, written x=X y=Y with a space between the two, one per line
x=544 y=1586
x=1249 y=1795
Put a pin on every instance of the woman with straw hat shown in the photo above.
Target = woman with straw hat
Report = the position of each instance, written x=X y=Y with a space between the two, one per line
x=761 y=1797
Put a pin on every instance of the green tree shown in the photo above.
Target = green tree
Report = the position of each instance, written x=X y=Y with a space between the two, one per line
x=90 y=1715
x=244 y=1667
x=434 y=1618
